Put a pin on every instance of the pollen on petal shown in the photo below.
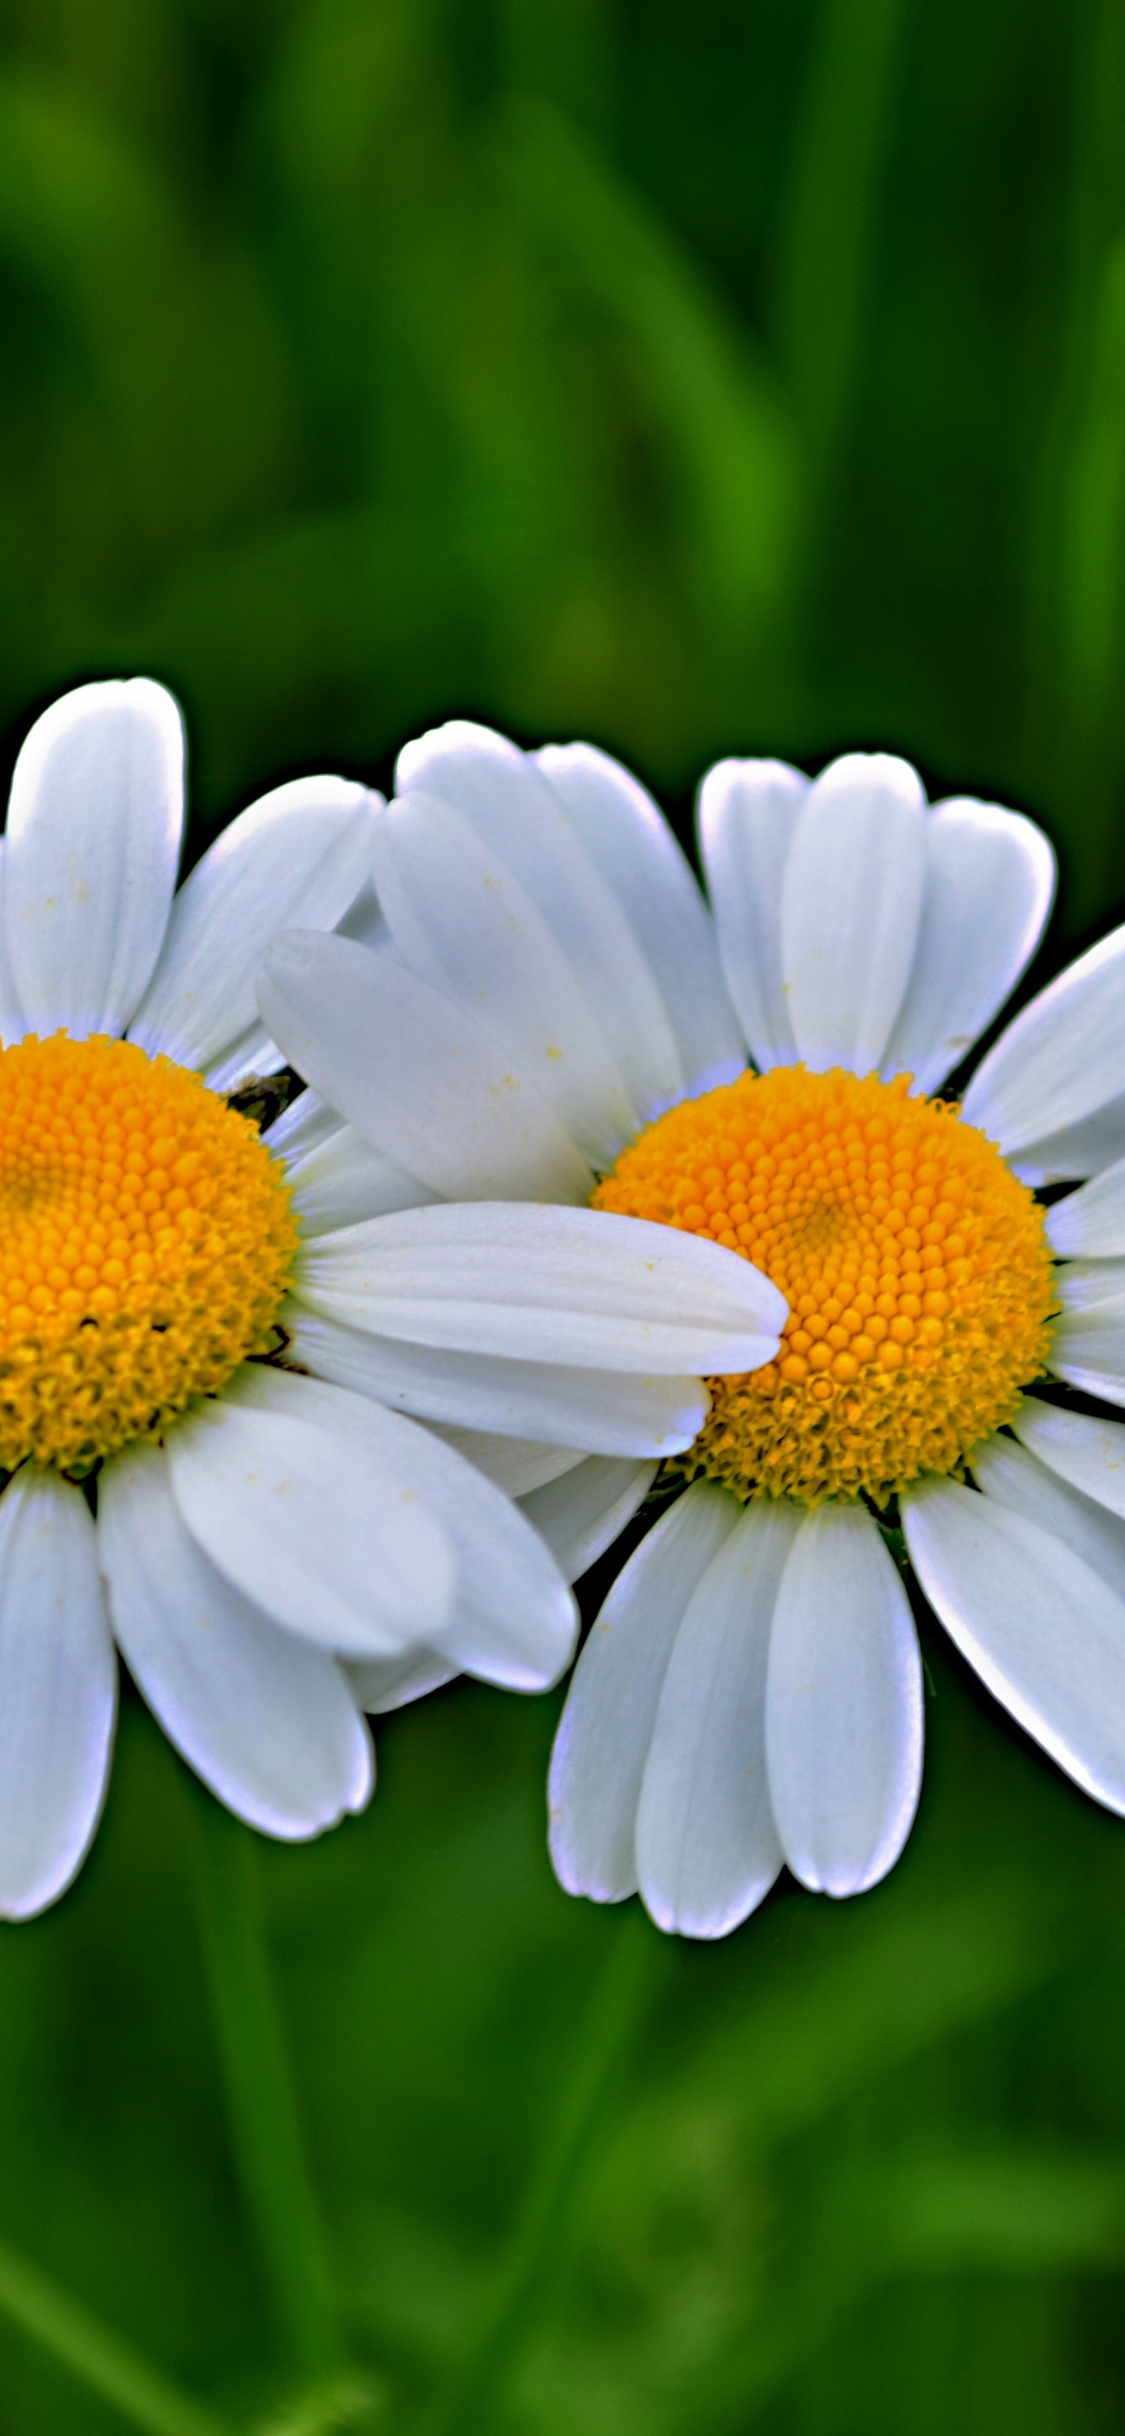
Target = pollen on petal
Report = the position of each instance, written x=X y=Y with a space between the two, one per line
x=146 y=1239
x=916 y=1267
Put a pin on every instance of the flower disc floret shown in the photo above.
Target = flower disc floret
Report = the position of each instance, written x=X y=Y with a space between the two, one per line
x=915 y=1264
x=146 y=1240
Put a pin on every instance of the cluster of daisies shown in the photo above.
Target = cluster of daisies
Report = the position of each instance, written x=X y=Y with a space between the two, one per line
x=595 y=1191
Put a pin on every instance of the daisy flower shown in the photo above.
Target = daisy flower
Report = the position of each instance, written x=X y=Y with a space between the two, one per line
x=267 y=1548
x=751 y=1692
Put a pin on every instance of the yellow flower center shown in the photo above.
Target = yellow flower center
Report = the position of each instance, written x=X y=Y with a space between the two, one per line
x=916 y=1268
x=145 y=1243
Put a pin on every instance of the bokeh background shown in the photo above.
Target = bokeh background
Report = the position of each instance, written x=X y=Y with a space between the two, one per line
x=743 y=377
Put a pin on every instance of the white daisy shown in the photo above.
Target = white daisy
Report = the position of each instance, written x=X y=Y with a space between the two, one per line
x=269 y=1549
x=548 y=1018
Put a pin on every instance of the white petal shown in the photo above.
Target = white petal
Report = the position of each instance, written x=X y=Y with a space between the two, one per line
x=381 y=1684
x=302 y=1497
x=1019 y=1481
x=414 y=1074
x=512 y=1619
x=707 y=1844
x=990 y=881
x=1092 y=1361
x=747 y=816
x=605 y=1730
x=1044 y=1632
x=300 y=1127
x=265 y=1720
x=1082 y=1285
x=297 y=857
x=605 y=1412
x=461 y=921
x=517 y=1465
x=58 y=1689
x=1088 y=1345
x=12 y=1025
x=1092 y=1221
x=851 y=906
x=518 y=816
x=582 y=1513
x=93 y=841
x=253 y=1056
x=1081 y=1448
x=1092 y=1295
x=628 y=838
x=1085 y=1149
x=1062 y=1060
x=843 y=1705
x=549 y=1285
x=342 y=1180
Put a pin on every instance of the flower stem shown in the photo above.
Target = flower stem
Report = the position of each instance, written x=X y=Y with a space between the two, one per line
x=620 y=1998
x=843 y=136
x=265 y=2125
x=97 y=2356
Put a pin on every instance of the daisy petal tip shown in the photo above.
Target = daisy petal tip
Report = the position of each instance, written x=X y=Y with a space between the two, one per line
x=841 y=1884
x=111 y=717
x=415 y=763
x=48 y=1887
x=561 y=1629
x=289 y=1826
x=731 y=784
x=270 y=1483
x=361 y=1792
x=572 y=1877
x=841 y=1878
x=701 y=1926
x=885 y=773
x=105 y=698
x=95 y=819
x=348 y=1799
x=146 y=698
x=743 y=1355
x=298 y=951
x=575 y=1878
x=676 y=1441
x=514 y=1675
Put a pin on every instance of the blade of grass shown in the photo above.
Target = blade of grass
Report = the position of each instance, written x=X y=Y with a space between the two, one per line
x=263 y=2109
x=619 y=2001
x=347 y=2402
x=1077 y=529
x=1093 y=592
x=97 y=2357
x=843 y=140
x=721 y=412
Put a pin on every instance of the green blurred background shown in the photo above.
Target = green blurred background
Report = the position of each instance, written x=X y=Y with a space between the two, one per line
x=747 y=377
